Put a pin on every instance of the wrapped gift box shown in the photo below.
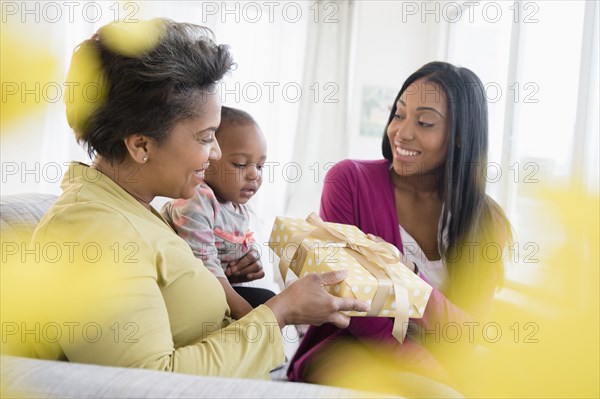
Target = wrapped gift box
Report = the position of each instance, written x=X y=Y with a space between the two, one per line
x=376 y=273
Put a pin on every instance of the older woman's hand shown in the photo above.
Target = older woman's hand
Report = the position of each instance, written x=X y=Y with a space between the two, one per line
x=307 y=302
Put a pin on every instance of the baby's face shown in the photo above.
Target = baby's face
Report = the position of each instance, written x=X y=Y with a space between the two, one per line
x=237 y=176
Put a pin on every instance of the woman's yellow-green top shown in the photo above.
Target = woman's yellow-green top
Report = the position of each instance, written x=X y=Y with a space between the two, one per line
x=122 y=289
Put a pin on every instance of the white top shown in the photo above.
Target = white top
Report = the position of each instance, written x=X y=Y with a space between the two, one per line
x=434 y=270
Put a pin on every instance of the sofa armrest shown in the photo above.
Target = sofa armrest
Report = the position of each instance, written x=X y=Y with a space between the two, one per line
x=20 y=214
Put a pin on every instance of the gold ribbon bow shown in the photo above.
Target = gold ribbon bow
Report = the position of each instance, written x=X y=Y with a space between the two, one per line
x=376 y=258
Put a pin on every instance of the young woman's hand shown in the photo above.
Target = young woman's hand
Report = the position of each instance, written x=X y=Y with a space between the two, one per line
x=307 y=302
x=247 y=268
x=409 y=264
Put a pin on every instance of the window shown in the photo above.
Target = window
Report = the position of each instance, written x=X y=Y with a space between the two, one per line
x=538 y=62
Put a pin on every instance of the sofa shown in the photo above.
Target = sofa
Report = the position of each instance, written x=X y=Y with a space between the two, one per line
x=23 y=377
x=34 y=378
x=28 y=378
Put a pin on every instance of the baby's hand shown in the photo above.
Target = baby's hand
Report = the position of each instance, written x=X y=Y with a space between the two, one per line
x=375 y=238
x=246 y=268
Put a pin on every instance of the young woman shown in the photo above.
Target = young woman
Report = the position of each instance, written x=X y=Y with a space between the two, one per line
x=427 y=197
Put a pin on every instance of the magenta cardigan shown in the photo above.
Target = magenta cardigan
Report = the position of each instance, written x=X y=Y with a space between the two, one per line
x=362 y=193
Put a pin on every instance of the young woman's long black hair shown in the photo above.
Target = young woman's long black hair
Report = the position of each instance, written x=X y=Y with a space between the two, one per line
x=468 y=213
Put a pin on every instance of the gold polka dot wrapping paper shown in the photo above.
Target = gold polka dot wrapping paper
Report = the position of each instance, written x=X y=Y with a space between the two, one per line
x=376 y=274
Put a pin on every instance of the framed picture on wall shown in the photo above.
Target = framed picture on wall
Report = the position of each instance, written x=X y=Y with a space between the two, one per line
x=375 y=109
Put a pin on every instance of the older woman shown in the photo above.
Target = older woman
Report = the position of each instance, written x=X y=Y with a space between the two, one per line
x=427 y=197
x=131 y=293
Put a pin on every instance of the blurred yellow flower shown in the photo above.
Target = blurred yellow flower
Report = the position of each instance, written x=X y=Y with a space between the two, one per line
x=132 y=38
x=27 y=70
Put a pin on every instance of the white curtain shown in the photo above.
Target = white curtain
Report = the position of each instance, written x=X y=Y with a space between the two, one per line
x=321 y=136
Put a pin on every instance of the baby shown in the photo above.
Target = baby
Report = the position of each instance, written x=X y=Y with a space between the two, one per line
x=215 y=221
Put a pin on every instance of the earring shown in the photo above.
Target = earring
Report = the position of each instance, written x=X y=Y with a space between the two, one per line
x=145 y=158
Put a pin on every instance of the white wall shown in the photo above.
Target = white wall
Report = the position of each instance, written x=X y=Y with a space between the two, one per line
x=388 y=50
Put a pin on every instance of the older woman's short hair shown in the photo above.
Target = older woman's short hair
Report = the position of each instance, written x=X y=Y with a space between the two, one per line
x=145 y=91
